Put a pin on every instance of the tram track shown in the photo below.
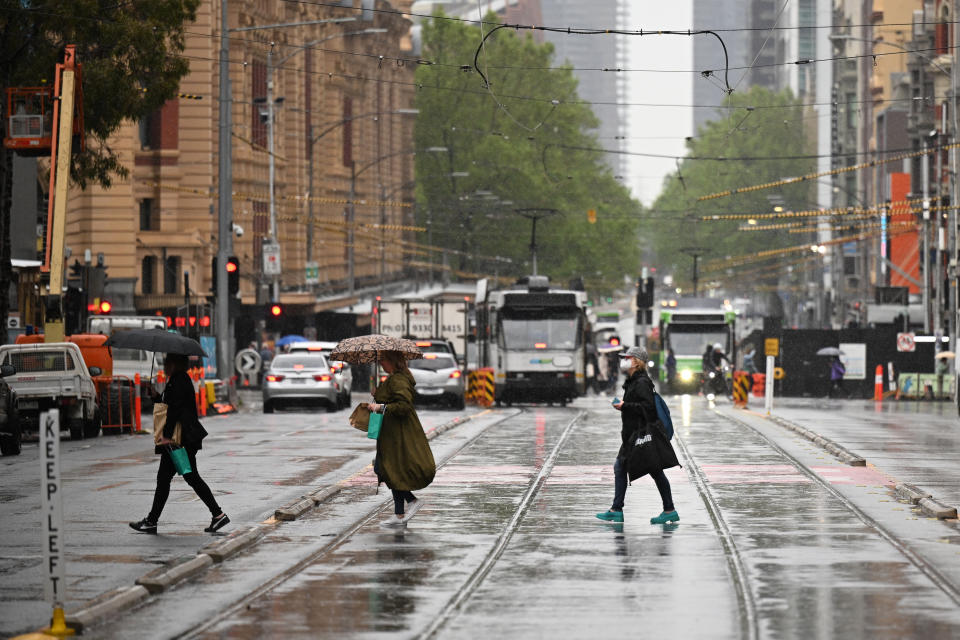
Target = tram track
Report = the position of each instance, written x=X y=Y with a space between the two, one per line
x=738 y=573
x=942 y=582
x=264 y=588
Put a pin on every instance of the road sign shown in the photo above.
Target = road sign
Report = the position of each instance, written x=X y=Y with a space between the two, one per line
x=51 y=509
x=312 y=273
x=771 y=347
x=248 y=361
x=906 y=342
x=271 y=259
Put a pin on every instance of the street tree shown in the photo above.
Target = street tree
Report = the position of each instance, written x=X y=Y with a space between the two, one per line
x=762 y=139
x=132 y=64
x=526 y=141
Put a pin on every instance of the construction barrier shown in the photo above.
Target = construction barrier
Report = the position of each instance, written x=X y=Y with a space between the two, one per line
x=480 y=389
x=741 y=388
x=930 y=386
x=117 y=403
x=759 y=388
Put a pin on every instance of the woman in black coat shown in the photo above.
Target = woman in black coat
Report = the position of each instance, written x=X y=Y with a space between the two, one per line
x=637 y=409
x=181 y=407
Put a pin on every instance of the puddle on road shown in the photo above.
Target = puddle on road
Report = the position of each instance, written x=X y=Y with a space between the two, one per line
x=308 y=476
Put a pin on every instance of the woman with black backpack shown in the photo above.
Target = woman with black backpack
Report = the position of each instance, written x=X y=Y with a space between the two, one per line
x=637 y=411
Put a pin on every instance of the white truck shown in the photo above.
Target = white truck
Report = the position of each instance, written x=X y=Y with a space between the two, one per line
x=53 y=376
x=129 y=362
x=433 y=320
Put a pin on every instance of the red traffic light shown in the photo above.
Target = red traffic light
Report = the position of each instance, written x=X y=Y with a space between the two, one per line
x=105 y=306
x=231 y=266
x=275 y=310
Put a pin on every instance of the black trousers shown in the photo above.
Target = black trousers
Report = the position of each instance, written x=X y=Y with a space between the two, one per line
x=165 y=474
x=399 y=498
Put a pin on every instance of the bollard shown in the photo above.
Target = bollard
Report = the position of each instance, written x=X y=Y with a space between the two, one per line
x=878 y=384
x=768 y=401
x=137 y=406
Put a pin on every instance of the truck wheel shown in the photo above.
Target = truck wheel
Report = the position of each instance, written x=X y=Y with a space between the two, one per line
x=76 y=429
x=91 y=428
x=10 y=444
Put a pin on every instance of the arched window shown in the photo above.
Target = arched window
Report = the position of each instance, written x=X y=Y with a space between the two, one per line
x=943 y=39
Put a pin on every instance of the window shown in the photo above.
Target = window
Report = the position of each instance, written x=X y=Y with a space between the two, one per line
x=171 y=275
x=148 y=218
x=147 y=270
x=258 y=127
x=150 y=131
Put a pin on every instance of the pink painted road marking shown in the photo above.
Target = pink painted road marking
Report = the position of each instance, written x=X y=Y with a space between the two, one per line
x=603 y=474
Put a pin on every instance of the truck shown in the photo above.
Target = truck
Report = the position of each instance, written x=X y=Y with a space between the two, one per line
x=534 y=338
x=53 y=376
x=426 y=321
x=129 y=362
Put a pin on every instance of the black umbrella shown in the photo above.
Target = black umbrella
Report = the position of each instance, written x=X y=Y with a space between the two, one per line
x=155 y=340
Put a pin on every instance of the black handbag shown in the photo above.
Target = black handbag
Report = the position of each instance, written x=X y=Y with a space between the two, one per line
x=650 y=451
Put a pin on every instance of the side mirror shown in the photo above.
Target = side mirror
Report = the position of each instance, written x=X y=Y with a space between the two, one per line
x=95 y=371
x=7 y=370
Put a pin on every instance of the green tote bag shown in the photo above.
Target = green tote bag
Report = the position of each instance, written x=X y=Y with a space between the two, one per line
x=373 y=426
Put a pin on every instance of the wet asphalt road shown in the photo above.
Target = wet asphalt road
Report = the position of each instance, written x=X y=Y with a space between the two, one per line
x=507 y=543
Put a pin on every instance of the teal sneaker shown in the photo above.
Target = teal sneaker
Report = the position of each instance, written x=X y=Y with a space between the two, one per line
x=665 y=517
x=611 y=516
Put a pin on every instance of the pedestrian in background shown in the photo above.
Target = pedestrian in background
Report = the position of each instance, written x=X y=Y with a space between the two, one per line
x=404 y=460
x=837 y=371
x=749 y=364
x=181 y=404
x=670 y=364
x=637 y=410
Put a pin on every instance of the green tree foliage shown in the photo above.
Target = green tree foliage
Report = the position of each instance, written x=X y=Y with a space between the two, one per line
x=744 y=137
x=528 y=147
x=130 y=52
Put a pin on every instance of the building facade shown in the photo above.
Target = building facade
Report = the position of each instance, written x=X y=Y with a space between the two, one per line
x=341 y=107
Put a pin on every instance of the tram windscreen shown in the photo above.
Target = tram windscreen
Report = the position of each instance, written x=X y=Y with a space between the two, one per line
x=541 y=333
x=693 y=340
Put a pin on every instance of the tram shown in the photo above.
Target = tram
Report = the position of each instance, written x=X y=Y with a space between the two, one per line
x=534 y=338
x=688 y=325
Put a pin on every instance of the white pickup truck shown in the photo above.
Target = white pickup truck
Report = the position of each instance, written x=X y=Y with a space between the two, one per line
x=52 y=375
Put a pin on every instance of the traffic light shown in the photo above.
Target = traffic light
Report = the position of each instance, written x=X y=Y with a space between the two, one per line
x=645 y=289
x=276 y=309
x=592 y=216
x=105 y=307
x=100 y=307
x=233 y=275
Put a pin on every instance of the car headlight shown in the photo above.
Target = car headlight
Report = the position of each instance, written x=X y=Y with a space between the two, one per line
x=686 y=375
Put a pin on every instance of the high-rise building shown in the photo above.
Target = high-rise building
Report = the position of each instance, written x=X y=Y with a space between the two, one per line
x=708 y=53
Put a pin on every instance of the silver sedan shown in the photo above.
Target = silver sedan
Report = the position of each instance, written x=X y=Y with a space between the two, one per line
x=439 y=379
x=299 y=378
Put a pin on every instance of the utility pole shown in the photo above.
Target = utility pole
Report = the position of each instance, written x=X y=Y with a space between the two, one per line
x=533 y=214
x=224 y=202
x=925 y=176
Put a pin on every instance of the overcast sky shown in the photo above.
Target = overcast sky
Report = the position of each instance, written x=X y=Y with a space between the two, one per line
x=658 y=129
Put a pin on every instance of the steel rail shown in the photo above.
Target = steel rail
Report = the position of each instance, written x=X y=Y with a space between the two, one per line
x=503 y=540
x=936 y=577
x=332 y=545
x=738 y=573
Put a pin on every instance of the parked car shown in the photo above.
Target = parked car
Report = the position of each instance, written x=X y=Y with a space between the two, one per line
x=302 y=377
x=50 y=376
x=342 y=371
x=439 y=380
x=9 y=421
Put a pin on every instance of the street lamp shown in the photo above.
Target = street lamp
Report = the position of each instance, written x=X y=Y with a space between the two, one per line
x=313 y=140
x=275 y=287
x=354 y=174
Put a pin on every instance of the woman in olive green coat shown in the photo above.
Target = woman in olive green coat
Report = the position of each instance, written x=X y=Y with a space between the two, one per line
x=404 y=460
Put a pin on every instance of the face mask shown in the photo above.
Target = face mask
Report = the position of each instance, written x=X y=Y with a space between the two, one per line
x=626 y=364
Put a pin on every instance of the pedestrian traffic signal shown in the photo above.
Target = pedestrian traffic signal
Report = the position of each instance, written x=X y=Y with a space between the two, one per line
x=233 y=275
x=276 y=310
